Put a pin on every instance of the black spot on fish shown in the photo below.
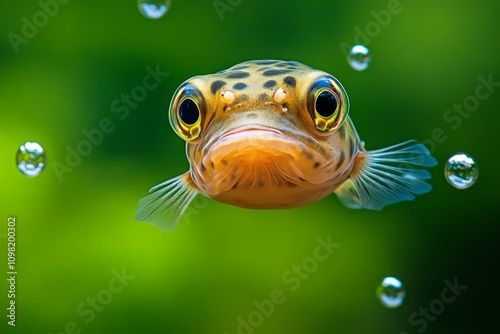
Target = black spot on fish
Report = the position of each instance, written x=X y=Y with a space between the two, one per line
x=290 y=81
x=342 y=132
x=272 y=73
x=235 y=186
x=216 y=85
x=266 y=62
x=316 y=164
x=243 y=97
x=269 y=84
x=225 y=108
x=340 y=161
x=307 y=154
x=212 y=164
x=263 y=97
x=251 y=115
x=238 y=75
x=240 y=86
x=237 y=68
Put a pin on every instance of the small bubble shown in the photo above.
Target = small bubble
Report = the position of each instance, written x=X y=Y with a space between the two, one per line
x=153 y=9
x=31 y=159
x=391 y=292
x=359 y=57
x=461 y=171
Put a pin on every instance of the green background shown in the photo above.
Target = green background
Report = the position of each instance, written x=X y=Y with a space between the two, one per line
x=200 y=278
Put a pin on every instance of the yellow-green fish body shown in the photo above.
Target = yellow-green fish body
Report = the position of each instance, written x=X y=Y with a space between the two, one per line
x=272 y=134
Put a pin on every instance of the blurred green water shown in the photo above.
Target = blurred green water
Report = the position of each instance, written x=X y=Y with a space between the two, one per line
x=72 y=235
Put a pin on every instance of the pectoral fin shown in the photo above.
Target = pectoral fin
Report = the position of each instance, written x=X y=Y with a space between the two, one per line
x=348 y=195
x=167 y=202
x=387 y=176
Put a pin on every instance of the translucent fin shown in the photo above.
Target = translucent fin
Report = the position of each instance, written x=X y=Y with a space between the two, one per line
x=388 y=176
x=167 y=202
x=348 y=195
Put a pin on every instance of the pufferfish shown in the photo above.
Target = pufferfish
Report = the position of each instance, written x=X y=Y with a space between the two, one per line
x=272 y=134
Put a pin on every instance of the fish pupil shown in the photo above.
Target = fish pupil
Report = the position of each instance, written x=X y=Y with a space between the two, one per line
x=189 y=112
x=326 y=104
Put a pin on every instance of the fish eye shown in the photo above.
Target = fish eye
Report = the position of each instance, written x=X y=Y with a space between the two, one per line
x=186 y=112
x=189 y=112
x=328 y=104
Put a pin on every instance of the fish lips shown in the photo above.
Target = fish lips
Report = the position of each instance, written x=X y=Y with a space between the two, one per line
x=255 y=140
x=251 y=130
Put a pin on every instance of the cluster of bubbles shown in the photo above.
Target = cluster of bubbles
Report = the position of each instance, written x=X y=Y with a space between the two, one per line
x=461 y=171
x=31 y=159
x=153 y=9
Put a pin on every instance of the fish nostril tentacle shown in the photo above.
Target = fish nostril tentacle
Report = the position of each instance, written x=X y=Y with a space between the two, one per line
x=227 y=96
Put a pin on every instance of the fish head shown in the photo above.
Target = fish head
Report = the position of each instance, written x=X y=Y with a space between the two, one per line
x=264 y=133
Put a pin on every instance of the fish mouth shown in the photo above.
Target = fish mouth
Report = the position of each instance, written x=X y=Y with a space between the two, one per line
x=250 y=143
x=256 y=156
x=252 y=130
x=255 y=142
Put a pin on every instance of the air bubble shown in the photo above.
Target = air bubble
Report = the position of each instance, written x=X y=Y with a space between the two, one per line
x=391 y=292
x=153 y=9
x=461 y=171
x=359 y=57
x=31 y=159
